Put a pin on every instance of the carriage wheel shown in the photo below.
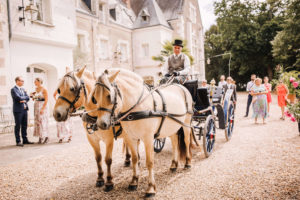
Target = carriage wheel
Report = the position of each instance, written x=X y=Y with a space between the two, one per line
x=209 y=136
x=159 y=144
x=230 y=122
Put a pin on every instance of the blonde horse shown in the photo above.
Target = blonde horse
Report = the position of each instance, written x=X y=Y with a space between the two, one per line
x=74 y=89
x=121 y=93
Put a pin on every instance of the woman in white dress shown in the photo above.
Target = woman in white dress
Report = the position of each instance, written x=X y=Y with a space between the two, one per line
x=64 y=130
x=40 y=97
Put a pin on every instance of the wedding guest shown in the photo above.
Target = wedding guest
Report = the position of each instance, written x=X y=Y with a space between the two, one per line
x=64 y=129
x=250 y=84
x=268 y=87
x=259 y=100
x=204 y=84
x=20 y=109
x=40 y=97
x=222 y=81
x=282 y=92
x=230 y=85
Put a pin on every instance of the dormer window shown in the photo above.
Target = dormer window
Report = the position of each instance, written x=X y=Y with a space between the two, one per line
x=112 y=13
x=145 y=15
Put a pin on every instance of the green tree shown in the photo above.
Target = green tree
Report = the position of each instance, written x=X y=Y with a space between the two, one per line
x=245 y=28
x=214 y=46
x=168 y=50
x=286 y=45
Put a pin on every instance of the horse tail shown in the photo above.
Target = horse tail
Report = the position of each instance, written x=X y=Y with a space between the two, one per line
x=181 y=144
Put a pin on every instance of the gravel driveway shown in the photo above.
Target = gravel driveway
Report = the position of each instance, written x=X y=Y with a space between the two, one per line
x=260 y=162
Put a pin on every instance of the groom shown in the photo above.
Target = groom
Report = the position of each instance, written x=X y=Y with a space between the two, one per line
x=20 y=108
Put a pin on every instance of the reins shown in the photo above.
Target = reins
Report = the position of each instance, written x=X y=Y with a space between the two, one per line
x=129 y=115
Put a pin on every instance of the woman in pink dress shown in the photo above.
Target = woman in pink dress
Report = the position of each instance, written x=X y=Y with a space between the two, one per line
x=40 y=97
x=268 y=87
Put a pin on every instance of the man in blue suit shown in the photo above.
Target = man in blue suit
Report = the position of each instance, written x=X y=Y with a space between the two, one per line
x=20 y=108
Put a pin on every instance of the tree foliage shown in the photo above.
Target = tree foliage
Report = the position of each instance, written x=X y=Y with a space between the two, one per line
x=286 y=45
x=245 y=28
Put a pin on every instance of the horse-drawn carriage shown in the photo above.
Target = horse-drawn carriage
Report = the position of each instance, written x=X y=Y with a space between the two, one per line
x=207 y=110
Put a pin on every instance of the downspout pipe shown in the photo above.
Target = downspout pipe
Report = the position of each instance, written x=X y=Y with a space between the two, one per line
x=8 y=20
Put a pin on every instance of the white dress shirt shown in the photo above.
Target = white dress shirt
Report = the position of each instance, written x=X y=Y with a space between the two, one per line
x=249 y=86
x=186 y=69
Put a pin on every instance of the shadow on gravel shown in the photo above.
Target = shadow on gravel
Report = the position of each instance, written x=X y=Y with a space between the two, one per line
x=83 y=186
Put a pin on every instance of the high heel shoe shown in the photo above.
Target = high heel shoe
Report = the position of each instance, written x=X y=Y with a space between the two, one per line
x=46 y=140
x=40 y=141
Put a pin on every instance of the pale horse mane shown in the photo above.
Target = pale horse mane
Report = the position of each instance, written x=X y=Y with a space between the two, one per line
x=126 y=78
x=68 y=81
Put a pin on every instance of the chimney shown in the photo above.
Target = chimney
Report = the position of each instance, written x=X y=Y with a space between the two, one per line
x=127 y=2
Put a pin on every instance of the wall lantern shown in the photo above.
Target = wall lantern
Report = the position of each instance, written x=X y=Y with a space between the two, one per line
x=30 y=10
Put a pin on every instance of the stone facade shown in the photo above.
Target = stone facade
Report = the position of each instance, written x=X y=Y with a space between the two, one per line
x=127 y=33
x=39 y=48
x=97 y=33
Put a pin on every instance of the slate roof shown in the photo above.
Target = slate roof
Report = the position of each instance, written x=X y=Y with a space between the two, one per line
x=155 y=16
x=171 y=9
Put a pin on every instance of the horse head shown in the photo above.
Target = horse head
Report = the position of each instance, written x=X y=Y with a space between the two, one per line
x=72 y=91
x=106 y=96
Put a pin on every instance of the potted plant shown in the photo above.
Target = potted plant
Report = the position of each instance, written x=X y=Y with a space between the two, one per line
x=291 y=80
x=294 y=109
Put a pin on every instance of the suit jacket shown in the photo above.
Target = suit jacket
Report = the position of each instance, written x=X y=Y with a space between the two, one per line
x=17 y=96
x=233 y=97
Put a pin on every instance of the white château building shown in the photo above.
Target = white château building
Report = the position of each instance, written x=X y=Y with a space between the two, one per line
x=97 y=33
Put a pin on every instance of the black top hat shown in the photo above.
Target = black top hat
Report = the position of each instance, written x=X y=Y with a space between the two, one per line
x=178 y=43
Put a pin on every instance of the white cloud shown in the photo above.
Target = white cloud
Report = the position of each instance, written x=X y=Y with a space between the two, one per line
x=207 y=13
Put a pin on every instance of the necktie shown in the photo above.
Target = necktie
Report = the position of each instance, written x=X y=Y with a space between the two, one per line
x=21 y=91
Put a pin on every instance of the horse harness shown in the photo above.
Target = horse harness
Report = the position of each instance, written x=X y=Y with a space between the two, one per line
x=132 y=116
x=78 y=89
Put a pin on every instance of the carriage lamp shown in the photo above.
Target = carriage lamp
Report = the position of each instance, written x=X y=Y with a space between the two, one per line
x=30 y=10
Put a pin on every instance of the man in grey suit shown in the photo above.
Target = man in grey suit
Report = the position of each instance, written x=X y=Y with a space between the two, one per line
x=178 y=64
x=20 y=108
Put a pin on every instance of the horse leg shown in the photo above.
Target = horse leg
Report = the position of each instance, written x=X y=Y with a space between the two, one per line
x=109 y=185
x=96 y=146
x=138 y=151
x=151 y=190
x=127 y=159
x=187 y=141
x=132 y=144
x=174 y=164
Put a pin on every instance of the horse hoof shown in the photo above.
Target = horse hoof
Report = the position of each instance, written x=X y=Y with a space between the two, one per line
x=132 y=187
x=127 y=163
x=149 y=195
x=187 y=166
x=108 y=187
x=99 y=183
x=173 y=169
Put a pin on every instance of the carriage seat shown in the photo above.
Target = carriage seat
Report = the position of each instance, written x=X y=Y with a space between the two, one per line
x=202 y=99
x=217 y=95
x=199 y=95
x=192 y=86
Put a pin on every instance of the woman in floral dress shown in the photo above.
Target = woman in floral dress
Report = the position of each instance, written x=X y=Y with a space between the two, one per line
x=259 y=100
x=268 y=87
x=40 y=97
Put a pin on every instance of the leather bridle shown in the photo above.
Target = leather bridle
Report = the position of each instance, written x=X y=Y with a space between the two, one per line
x=77 y=92
x=115 y=118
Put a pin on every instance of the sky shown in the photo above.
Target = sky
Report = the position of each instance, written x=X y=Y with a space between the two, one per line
x=207 y=13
